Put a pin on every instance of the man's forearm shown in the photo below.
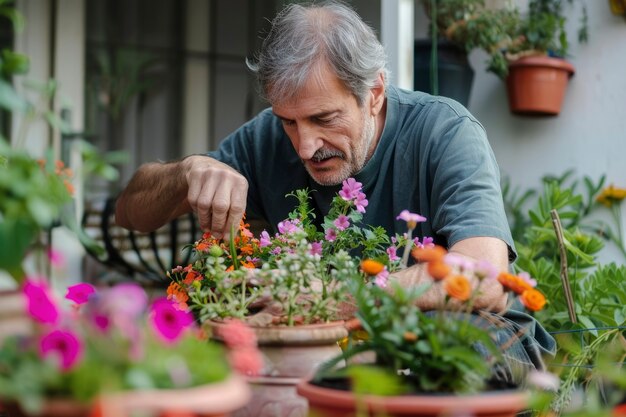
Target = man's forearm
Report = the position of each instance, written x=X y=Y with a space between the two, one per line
x=156 y=194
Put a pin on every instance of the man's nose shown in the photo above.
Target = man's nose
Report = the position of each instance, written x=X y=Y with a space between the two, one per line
x=308 y=142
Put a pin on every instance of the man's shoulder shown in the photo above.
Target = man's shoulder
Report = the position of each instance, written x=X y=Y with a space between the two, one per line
x=427 y=104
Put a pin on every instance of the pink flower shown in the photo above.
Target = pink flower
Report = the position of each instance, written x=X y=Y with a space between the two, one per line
x=237 y=335
x=485 y=270
x=40 y=303
x=342 y=222
x=276 y=251
x=264 y=239
x=459 y=261
x=126 y=299
x=331 y=235
x=428 y=242
x=316 y=248
x=529 y=280
x=167 y=321
x=350 y=189
x=80 y=293
x=382 y=278
x=64 y=344
x=411 y=219
x=247 y=361
x=288 y=227
x=392 y=253
x=361 y=202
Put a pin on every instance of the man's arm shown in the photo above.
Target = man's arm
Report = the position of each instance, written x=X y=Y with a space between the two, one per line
x=160 y=192
x=491 y=295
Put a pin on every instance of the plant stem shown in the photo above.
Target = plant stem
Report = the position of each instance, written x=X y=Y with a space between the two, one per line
x=407 y=248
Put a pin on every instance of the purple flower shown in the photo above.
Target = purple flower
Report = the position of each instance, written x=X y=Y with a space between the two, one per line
x=40 y=303
x=80 y=293
x=264 y=239
x=167 y=321
x=350 y=189
x=331 y=235
x=64 y=344
x=392 y=253
x=411 y=219
x=277 y=250
x=342 y=222
x=316 y=248
x=428 y=242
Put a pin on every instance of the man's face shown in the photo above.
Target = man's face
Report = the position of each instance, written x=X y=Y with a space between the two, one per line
x=331 y=133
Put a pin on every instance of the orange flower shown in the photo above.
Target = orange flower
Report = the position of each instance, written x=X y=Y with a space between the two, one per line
x=513 y=283
x=177 y=294
x=191 y=277
x=458 y=286
x=533 y=299
x=438 y=269
x=430 y=254
x=410 y=337
x=371 y=267
x=202 y=246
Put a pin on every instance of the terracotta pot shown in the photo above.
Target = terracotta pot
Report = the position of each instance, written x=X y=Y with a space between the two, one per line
x=329 y=402
x=536 y=85
x=290 y=354
x=211 y=400
x=13 y=316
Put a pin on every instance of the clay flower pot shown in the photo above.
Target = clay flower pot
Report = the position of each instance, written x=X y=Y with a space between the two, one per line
x=330 y=402
x=536 y=85
x=290 y=354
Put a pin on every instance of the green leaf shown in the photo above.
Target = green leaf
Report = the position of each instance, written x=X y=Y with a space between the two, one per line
x=10 y=100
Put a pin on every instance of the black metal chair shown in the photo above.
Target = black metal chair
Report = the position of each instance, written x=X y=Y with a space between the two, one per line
x=141 y=257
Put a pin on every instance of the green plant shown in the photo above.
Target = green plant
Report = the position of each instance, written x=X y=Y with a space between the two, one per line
x=448 y=350
x=586 y=297
x=108 y=341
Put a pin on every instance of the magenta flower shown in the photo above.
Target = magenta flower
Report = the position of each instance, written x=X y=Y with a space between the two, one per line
x=167 y=321
x=64 y=344
x=350 y=189
x=411 y=219
x=331 y=235
x=80 y=293
x=126 y=299
x=316 y=248
x=342 y=222
x=264 y=239
x=40 y=304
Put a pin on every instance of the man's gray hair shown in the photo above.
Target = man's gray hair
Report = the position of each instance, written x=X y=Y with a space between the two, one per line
x=304 y=36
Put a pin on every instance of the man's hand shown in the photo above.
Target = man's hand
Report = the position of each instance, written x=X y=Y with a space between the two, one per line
x=216 y=192
x=160 y=192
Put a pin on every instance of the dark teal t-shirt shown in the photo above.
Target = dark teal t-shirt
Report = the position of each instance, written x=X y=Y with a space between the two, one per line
x=433 y=158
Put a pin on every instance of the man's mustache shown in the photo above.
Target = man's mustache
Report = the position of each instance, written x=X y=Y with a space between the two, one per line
x=322 y=154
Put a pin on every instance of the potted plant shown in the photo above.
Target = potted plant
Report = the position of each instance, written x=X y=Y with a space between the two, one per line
x=533 y=61
x=456 y=28
x=290 y=288
x=111 y=352
x=426 y=363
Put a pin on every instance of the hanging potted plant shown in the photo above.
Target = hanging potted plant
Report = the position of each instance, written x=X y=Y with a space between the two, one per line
x=457 y=27
x=290 y=288
x=533 y=62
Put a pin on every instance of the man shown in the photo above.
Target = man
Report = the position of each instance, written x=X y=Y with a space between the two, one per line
x=332 y=117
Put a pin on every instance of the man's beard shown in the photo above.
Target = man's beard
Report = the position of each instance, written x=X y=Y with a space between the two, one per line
x=349 y=168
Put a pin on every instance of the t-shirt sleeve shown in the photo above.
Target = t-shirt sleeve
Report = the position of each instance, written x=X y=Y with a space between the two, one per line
x=466 y=194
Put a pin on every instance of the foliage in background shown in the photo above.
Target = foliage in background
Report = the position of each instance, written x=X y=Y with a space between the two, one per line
x=598 y=290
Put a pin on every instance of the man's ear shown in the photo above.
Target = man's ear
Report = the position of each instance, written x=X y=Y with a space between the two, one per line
x=377 y=95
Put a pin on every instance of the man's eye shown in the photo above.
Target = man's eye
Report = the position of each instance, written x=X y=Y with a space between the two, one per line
x=326 y=121
x=287 y=122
